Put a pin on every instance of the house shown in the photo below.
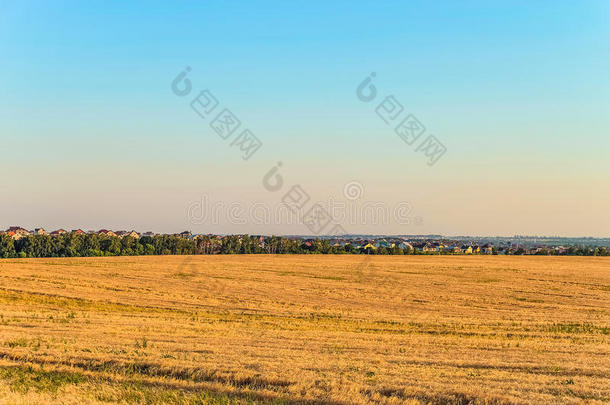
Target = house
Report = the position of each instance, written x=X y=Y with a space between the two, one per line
x=467 y=250
x=260 y=240
x=106 y=232
x=384 y=244
x=487 y=249
x=418 y=245
x=561 y=250
x=133 y=234
x=149 y=234
x=78 y=231
x=40 y=231
x=369 y=246
x=58 y=232
x=428 y=247
x=405 y=245
x=17 y=232
x=184 y=234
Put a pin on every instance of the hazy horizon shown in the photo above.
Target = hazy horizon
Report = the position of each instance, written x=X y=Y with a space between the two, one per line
x=94 y=135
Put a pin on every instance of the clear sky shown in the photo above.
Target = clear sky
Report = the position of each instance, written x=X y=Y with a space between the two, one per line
x=517 y=91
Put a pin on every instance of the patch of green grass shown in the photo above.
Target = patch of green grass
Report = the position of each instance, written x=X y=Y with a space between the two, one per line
x=24 y=379
x=143 y=344
x=69 y=303
x=578 y=328
x=16 y=343
x=534 y=300
x=183 y=274
x=140 y=393
x=488 y=280
x=336 y=278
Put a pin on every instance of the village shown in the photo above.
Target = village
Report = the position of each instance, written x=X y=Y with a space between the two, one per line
x=354 y=244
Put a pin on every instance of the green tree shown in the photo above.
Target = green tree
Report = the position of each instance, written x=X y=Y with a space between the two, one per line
x=7 y=246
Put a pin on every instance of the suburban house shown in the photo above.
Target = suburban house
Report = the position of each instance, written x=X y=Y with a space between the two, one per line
x=106 y=232
x=133 y=234
x=369 y=246
x=384 y=244
x=260 y=239
x=185 y=234
x=487 y=249
x=561 y=250
x=149 y=234
x=428 y=247
x=17 y=232
x=453 y=249
x=467 y=250
x=78 y=231
x=40 y=231
x=405 y=245
x=339 y=243
x=58 y=232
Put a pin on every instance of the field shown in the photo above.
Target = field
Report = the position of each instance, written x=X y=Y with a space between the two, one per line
x=305 y=329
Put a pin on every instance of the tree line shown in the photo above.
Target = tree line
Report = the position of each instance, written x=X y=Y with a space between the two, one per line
x=90 y=245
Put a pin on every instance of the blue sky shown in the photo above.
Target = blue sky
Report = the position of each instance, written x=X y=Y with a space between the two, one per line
x=518 y=92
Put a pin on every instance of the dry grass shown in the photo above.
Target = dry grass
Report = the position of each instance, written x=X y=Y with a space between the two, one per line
x=308 y=329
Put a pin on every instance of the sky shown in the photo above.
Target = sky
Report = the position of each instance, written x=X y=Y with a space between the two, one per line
x=518 y=94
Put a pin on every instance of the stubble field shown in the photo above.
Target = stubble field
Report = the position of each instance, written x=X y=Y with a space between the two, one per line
x=307 y=329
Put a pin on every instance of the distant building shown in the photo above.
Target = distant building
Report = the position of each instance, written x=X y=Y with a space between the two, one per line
x=17 y=232
x=58 y=232
x=428 y=247
x=405 y=245
x=487 y=249
x=106 y=232
x=40 y=231
x=133 y=234
x=260 y=240
x=384 y=244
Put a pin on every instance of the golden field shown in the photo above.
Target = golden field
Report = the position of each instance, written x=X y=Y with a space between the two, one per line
x=307 y=329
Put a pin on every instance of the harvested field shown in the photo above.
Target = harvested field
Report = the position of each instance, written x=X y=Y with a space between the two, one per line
x=305 y=329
